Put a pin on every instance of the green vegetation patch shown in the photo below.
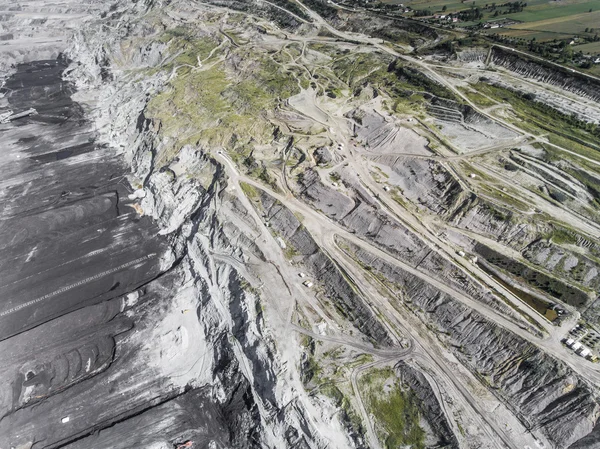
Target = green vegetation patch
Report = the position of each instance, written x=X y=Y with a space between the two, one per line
x=536 y=117
x=478 y=98
x=567 y=16
x=217 y=104
x=186 y=48
x=591 y=47
x=355 y=67
x=562 y=236
x=395 y=409
x=249 y=191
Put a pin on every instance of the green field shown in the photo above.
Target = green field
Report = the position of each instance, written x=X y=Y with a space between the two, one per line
x=543 y=19
x=571 y=22
x=544 y=11
x=540 y=36
x=592 y=48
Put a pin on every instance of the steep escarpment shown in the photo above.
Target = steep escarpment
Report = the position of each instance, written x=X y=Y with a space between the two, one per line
x=428 y=403
x=212 y=244
x=357 y=211
x=553 y=74
x=275 y=215
x=509 y=226
x=542 y=391
x=330 y=276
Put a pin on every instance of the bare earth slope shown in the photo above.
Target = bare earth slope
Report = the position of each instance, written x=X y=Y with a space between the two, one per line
x=258 y=224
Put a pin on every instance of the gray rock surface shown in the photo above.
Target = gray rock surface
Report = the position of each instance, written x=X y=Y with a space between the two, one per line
x=543 y=392
x=322 y=156
x=143 y=305
x=428 y=403
x=552 y=74
x=320 y=266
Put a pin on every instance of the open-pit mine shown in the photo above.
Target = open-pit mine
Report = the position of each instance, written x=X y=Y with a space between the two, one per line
x=292 y=224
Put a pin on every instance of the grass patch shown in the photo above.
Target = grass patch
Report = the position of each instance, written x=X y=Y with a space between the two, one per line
x=477 y=98
x=569 y=17
x=218 y=104
x=562 y=236
x=562 y=129
x=396 y=411
x=353 y=68
x=289 y=252
x=249 y=191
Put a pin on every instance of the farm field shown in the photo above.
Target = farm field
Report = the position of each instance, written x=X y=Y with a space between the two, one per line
x=591 y=47
x=540 y=36
x=570 y=22
x=540 y=19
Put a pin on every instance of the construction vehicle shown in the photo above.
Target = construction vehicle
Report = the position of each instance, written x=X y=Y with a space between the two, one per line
x=9 y=116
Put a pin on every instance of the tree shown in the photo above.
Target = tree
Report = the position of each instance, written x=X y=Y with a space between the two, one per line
x=444 y=8
x=567 y=53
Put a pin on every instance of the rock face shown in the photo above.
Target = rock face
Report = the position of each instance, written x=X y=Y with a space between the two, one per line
x=363 y=218
x=322 y=268
x=578 y=84
x=506 y=225
x=150 y=287
x=35 y=32
x=428 y=403
x=141 y=321
x=424 y=182
x=543 y=392
x=381 y=136
x=322 y=156
x=105 y=316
